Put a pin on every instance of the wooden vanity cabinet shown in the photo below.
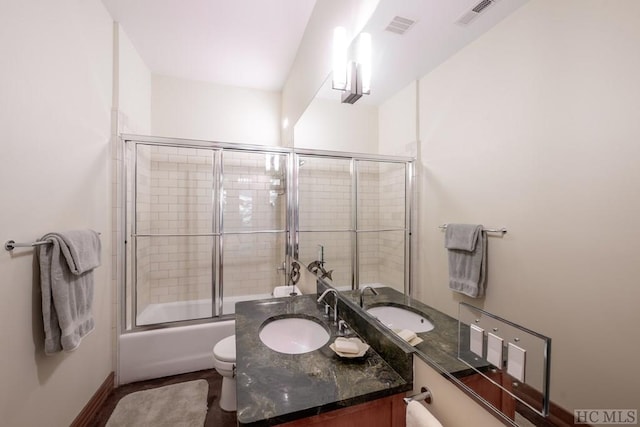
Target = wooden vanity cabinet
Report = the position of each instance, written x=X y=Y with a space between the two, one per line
x=383 y=412
x=493 y=394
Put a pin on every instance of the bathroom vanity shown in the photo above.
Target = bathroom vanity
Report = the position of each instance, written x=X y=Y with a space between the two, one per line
x=317 y=387
x=494 y=388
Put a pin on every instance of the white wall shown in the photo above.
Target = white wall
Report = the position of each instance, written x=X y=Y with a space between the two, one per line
x=132 y=114
x=397 y=123
x=55 y=119
x=330 y=125
x=198 y=110
x=134 y=88
x=535 y=127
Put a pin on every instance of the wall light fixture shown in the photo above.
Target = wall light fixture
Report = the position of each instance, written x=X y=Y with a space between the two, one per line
x=353 y=78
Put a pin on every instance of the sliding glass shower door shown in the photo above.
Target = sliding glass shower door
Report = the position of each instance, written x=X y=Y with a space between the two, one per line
x=206 y=227
x=253 y=225
x=173 y=233
x=382 y=223
x=325 y=225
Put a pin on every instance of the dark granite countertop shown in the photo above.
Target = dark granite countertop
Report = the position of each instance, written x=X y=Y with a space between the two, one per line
x=274 y=388
x=439 y=345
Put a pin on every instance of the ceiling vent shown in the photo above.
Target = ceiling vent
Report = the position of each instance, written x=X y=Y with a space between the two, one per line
x=475 y=11
x=400 y=25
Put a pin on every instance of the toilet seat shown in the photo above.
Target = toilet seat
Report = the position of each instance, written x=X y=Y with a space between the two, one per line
x=225 y=349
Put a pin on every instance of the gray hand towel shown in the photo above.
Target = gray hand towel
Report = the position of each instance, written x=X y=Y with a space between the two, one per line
x=467 y=247
x=66 y=280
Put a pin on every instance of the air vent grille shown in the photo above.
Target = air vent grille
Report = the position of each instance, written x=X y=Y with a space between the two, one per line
x=482 y=6
x=474 y=12
x=400 y=25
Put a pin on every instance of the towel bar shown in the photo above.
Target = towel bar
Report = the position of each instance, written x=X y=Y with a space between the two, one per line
x=425 y=394
x=11 y=244
x=488 y=230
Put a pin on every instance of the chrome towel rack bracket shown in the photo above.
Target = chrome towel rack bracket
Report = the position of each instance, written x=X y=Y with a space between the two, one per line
x=11 y=244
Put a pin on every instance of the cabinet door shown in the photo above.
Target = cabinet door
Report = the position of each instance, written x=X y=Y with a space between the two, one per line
x=490 y=392
x=384 y=412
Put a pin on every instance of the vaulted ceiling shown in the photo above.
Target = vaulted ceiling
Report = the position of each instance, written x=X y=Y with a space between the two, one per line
x=253 y=43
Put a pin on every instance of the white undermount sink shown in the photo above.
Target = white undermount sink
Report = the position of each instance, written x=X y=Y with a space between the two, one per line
x=293 y=335
x=399 y=318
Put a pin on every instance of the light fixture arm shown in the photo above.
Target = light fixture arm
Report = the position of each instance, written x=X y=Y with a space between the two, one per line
x=354 y=84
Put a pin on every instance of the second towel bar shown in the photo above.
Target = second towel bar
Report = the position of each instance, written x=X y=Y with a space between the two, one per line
x=425 y=394
x=488 y=230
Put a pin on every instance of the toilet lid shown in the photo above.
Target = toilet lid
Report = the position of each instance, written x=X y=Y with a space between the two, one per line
x=225 y=350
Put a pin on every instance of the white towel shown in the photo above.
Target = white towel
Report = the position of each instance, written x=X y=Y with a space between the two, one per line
x=419 y=416
x=66 y=281
x=406 y=334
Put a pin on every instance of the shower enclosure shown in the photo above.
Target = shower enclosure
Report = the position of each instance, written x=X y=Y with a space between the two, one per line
x=353 y=215
x=209 y=224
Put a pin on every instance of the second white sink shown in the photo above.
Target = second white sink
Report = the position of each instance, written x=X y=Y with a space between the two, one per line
x=293 y=335
x=399 y=318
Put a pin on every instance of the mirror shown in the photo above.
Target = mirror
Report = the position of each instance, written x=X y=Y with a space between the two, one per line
x=398 y=131
x=352 y=218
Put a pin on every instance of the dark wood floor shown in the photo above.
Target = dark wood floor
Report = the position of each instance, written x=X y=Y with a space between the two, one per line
x=215 y=416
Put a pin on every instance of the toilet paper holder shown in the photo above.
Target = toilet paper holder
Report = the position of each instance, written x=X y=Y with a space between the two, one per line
x=425 y=395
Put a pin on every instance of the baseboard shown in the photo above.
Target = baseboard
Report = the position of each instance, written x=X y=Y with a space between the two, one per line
x=94 y=405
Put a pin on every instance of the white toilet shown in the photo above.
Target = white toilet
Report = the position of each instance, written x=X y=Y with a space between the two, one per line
x=224 y=360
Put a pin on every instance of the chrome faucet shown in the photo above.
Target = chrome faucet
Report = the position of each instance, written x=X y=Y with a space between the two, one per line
x=362 y=294
x=335 y=302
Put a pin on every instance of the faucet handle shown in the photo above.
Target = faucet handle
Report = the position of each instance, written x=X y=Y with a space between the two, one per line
x=327 y=309
x=343 y=327
x=362 y=291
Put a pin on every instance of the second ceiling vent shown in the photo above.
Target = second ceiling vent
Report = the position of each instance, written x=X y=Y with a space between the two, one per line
x=400 y=25
x=474 y=12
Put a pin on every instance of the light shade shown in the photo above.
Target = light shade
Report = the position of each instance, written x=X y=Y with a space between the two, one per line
x=364 y=60
x=339 y=75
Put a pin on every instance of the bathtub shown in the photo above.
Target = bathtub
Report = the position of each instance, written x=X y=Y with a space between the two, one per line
x=174 y=350
x=186 y=310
